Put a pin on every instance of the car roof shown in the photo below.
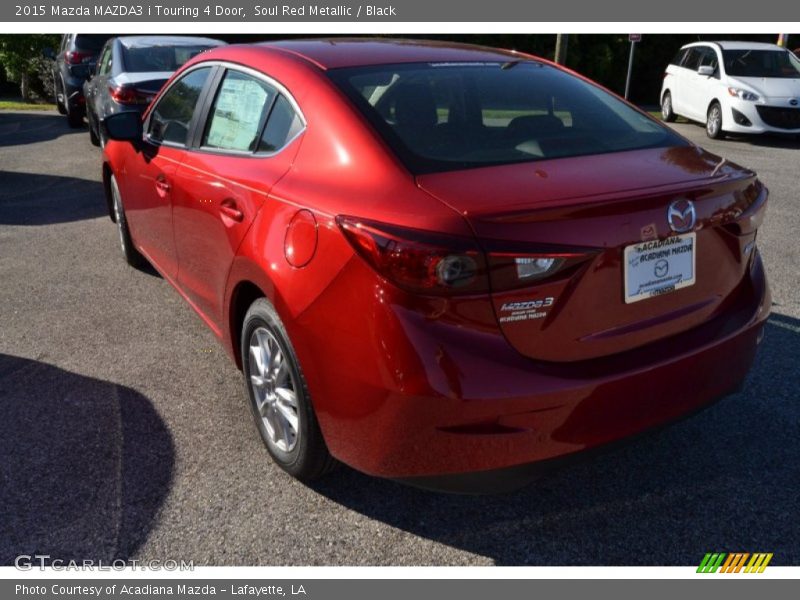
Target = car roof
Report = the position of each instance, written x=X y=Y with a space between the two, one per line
x=144 y=41
x=726 y=45
x=333 y=53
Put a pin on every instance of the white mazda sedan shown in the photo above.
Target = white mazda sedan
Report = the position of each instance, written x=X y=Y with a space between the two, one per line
x=738 y=87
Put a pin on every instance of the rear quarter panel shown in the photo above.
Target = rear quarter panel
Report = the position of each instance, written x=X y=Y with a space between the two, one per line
x=342 y=167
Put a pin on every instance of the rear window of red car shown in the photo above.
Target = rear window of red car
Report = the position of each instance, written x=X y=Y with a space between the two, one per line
x=443 y=116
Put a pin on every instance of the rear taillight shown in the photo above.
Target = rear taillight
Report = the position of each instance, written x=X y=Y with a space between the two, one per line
x=418 y=261
x=125 y=94
x=75 y=57
x=431 y=263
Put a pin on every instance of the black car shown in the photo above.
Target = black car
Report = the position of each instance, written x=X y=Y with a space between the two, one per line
x=74 y=63
x=130 y=72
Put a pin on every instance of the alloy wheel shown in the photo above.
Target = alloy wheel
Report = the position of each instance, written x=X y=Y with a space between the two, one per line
x=274 y=390
x=666 y=108
x=714 y=122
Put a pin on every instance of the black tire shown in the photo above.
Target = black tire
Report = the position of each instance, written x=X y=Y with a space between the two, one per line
x=305 y=455
x=59 y=93
x=132 y=256
x=93 y=136
x=714 y=121
x=667 y=114
x=75 y=118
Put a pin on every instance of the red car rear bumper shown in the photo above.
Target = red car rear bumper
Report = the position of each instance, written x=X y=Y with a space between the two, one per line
x=468 y=403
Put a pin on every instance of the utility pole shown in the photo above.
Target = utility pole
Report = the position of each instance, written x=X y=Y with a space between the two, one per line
x=562 y=40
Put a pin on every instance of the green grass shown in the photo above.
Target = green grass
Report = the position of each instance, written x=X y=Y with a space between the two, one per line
x=657 y=115
x=6 y=104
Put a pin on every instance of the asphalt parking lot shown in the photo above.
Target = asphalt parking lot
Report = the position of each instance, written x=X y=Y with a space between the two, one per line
x=126 y=433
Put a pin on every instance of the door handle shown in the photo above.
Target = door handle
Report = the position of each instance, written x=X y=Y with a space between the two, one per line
x=162 y=187
x=229 y=209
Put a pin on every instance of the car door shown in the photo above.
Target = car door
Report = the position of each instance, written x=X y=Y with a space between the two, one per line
x=702 y=88
x=681 y=98
x=244 y=147
x=149 y=181
x=96 y=86
x=672 y=76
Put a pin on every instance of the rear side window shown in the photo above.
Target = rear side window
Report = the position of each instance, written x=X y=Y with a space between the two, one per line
x=239 y=113
x=105 y=61
x=173 y=114
x=283 y=125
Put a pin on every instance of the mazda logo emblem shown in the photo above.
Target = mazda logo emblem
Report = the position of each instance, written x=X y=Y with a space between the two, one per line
x=681 y=215
x=793 y=101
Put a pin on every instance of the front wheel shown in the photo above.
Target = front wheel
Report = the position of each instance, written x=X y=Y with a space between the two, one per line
x=132 y=256
x=667 y=113
x=714 y=121
x=279 y=397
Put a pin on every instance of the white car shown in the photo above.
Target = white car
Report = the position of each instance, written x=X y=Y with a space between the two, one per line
x=739 y=87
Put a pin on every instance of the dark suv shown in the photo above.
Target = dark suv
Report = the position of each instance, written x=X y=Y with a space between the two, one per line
x=75 y=61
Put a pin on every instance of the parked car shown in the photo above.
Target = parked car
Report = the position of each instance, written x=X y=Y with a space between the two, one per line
x=738 y=87
x=74 y=63
x=131 y=70
x=438 y=263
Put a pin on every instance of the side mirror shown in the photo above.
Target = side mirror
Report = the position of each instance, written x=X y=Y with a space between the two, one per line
x=706 y=71
x=124 y=126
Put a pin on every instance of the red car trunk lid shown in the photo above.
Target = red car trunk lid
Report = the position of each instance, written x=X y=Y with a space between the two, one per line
x=602 y=204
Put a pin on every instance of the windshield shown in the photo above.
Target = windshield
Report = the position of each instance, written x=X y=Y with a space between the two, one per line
x=445 y=116
x=761 y=63
x=144 y=59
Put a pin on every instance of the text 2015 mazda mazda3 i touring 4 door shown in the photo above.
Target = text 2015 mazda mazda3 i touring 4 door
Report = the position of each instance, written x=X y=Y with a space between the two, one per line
x=437 y=263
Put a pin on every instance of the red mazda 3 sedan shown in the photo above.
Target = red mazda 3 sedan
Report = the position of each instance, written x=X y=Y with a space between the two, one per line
x=440 y=263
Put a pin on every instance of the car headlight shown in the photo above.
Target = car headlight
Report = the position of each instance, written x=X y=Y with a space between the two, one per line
x=742 y=94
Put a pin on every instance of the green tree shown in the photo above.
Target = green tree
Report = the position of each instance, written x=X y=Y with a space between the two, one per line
x=19 y=55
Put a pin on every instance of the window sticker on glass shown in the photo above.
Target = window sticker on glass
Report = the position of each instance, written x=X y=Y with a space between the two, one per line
x=238 y=113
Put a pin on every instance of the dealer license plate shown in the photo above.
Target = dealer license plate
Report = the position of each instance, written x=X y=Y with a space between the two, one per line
x=659 y=267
